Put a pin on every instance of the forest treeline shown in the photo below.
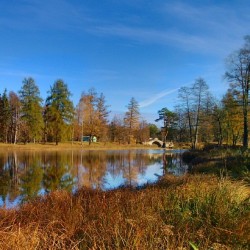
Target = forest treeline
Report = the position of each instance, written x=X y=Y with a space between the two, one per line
x=198 y=117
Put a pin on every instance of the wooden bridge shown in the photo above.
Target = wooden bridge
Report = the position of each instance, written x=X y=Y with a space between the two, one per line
x=159 y=143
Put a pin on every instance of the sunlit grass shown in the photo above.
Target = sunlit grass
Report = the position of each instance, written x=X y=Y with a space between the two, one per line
x=205 y=211
x=72 y=146
x=223 y=161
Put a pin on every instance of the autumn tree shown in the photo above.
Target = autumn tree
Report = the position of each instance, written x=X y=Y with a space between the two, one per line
x=103 y=113
x=232 y=119
x=131 y=119
x=31 y=110
x=238 y=75
x=117 y=131
x=218 y=121
x=88 y=115
x=226 y=120
x=143 y=132
x=92 y=114
x=59 y=111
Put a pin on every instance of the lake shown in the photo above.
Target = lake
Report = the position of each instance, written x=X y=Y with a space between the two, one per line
x=26 y=174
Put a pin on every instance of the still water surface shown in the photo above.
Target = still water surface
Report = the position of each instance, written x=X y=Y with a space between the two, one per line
x=24 y=175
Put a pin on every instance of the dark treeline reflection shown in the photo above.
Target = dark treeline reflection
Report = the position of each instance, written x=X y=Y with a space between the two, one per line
x=25 y=175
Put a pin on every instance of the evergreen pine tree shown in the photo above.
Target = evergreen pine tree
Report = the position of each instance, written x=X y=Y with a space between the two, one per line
x=31 y=111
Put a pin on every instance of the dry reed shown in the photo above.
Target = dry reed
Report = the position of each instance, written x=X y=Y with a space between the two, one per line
x=176 y=213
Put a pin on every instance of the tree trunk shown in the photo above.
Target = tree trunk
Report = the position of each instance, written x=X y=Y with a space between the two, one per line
x=245 y=135
x=220 y=134
x=15 y=134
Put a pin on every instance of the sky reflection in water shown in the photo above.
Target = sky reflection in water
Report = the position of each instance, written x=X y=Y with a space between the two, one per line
x=25 y=175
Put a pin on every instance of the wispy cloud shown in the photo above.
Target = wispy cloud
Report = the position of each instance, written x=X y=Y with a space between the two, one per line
x=200 y=43
x=207 y=29
x=211 y=29
x=47 y=14
x=225 y=17
x=222 y=24
x=156 y=97
x=173 y=38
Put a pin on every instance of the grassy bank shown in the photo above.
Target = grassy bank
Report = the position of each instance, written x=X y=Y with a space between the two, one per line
x=222 y=161
x=71 y=146
x=207 y=211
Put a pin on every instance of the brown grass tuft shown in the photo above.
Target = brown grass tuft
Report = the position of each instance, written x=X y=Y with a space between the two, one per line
x=205 y=210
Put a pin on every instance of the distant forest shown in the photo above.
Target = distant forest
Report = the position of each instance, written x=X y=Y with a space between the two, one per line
x=198 y=117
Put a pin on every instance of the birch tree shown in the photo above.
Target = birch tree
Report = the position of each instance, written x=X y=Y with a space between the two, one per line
x=200 y=94
x=15 y=110
x=194 y=101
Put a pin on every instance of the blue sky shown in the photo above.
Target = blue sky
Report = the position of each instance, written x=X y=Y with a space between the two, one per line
x=146 y=49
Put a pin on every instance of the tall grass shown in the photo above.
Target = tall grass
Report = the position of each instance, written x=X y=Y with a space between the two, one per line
x=231 y=161
x=206 y=212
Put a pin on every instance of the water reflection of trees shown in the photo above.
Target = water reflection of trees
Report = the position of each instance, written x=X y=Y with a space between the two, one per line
x=57 y=173
x=92 y=169
x=9 y=177
x=24 y=175
x=173 y=163
x=129 y=164
x=31 y=181
x=5 y=180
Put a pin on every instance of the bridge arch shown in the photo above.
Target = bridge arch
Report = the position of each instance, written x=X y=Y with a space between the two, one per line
x=159 y=143
x=156 y=141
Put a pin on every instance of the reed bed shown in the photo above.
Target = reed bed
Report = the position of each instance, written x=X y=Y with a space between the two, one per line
x=189 y=212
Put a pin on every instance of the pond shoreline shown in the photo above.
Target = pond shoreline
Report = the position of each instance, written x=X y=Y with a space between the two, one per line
x=27 y=173
x=73 y=146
